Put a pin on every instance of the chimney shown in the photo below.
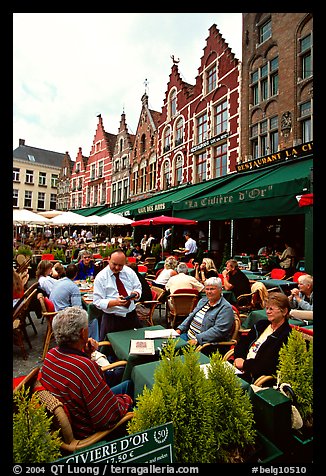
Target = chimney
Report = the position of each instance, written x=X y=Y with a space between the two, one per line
x=21 y=141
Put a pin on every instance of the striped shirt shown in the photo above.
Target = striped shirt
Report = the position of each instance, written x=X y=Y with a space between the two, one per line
x=79 y=384
x=195 y=326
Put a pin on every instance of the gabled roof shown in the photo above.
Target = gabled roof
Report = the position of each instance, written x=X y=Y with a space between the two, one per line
x=156 y=116
x=110 y=140
x=41 y=156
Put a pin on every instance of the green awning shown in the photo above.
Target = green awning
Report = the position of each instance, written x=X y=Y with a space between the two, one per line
x=266 y=192
x=86 y=212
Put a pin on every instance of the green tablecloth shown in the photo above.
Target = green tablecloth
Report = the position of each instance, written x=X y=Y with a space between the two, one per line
x=281 y=284
x=143 y=374
x=255 y=316
x=120 y=342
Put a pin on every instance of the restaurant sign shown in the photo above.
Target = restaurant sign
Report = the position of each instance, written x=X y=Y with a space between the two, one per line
x=154 y=445
x=280 y=156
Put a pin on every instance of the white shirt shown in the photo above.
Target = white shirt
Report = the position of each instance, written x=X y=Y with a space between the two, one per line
x=46 y=283
x=191 y=246
x=105 y=289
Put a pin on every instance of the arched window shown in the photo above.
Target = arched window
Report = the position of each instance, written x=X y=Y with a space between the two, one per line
x=166 y=139
x=178 y=170
x=173 y=102
x=166 y=175
x=178 y=132
x=143 y=144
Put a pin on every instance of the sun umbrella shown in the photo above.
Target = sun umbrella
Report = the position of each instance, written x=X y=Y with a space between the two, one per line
x=69 y=218
x=164 y=220
x=27 y=217
x=112 y=219
x=50 y=213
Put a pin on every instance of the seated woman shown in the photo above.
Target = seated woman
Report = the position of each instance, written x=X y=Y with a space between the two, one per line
x=168 y=270
x=206 y=270
x=257 y=352
x=44 y=278
x=17 y=288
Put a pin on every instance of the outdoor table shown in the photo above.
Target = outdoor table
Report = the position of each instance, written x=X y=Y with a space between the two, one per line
x=282 y=285
x=120 y=342
x=255 y=316
x=143 y=374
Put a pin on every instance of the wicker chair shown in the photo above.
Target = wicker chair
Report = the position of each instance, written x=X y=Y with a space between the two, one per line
x=47 y=314
x=20 y=313
x=61 y=421
x=180 y=306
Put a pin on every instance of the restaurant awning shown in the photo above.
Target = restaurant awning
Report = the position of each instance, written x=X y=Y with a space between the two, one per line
x=265 y=192
x=86 y=212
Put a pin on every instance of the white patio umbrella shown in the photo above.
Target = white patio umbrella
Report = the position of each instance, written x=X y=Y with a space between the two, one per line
x=113 y=219
x=69 y=218
x=27 y=217
x=50 y=213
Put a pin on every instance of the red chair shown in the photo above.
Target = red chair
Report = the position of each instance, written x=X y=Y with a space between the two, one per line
x=132 y=259
x=142 y=268
x=221 y=277
x=190 y=265
x=278 y=273
x=97 y=256
x=48 y=256
x=296 y=276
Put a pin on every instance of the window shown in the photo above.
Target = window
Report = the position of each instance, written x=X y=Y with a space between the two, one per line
x=121 y=145
x=306 y=57
x=103 y=193
x=264 y=82
x=143 y=144
x=152 y=175
x=119 y=191
x=16 y=173
x=220 y=118
x=265 y=31
x=179 y=132
x=305 y=121
x=53 y=201
x=211 y=79
x=54 y=180
x=166 y=139
x=142 y=177
x=29 y=177
x=77 y=167
x=166 y=176
x=201 y=167
x=220 y=160
x=28 y=199
x=80 y=183
x=114 y=193
x=264 y=137
x=42 y=178
x=93 y=171
x=124 y=162
x=79 y=200
x=125 y=190
x=178 y=171
x=15 y=198
x=31 y=158
x=116 y=165
x=134 y=182
x=173 y=103
x=201 y=128
x=41 y=200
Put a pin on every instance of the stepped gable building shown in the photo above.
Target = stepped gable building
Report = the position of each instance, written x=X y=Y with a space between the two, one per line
x=35 y=177
x=198 y=138
x=78 y=178
x=63 y=188
x=121 y=164
x=144 y=156
x=277 y=82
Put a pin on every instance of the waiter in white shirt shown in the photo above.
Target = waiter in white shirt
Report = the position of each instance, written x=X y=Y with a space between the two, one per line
x=111 y=285
x=190 y=250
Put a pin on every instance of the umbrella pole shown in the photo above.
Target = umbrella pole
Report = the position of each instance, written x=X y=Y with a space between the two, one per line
x=162 y=241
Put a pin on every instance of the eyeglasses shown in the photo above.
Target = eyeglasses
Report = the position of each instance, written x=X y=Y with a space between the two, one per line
x=272 y=309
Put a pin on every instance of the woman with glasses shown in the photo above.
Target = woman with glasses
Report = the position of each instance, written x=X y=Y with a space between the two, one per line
x=86 y=266
x=257 y=352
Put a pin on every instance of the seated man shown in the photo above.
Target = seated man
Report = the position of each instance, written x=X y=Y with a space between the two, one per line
x=86 y=266
x=183 y=280
x=257 y=352
x=69 y=373
x=301 y=298
x=211 y=320
x=234 y=279
x=65 y=292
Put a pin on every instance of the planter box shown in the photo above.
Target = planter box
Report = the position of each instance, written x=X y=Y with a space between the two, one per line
x=268 y=452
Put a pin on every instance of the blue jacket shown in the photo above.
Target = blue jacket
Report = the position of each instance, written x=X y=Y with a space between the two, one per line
x=217 y=323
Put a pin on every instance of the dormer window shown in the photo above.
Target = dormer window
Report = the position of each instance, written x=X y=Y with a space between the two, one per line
x=31 y=158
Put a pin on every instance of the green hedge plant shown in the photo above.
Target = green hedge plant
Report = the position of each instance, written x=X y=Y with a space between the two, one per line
x=33 y=442
x=212 y=417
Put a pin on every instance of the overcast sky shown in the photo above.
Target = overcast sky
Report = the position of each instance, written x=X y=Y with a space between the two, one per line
x=70 y=67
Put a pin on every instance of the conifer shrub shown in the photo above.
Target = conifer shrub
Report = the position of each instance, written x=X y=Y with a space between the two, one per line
x=33 y=439
x=212 y=417
x=295 y=367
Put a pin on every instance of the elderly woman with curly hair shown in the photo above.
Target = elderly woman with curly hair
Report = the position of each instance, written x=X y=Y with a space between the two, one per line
x=169 y=269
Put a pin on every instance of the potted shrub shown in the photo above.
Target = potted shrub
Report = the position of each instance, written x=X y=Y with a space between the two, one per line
x=33 y=442
x=212 y=417
x=59 y=255
x=296 y=369
x=24 y=250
